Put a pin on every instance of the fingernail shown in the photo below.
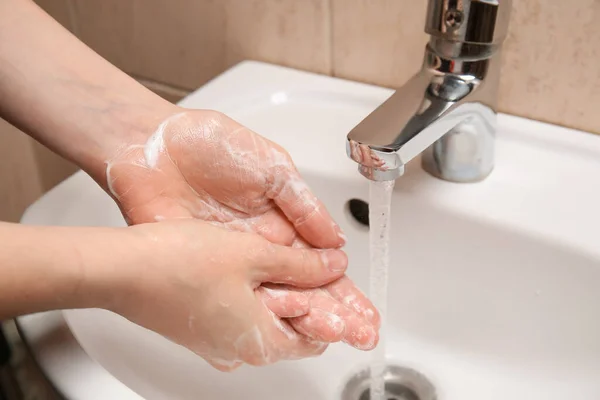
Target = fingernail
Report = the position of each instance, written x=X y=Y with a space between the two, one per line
x=344 y=238
x=340 y=233
x=335 y=260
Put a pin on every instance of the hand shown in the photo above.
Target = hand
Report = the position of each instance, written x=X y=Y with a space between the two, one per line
x=202 y=164
x=209 y=298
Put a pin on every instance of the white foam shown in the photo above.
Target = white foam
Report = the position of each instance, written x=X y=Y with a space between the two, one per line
x=155 y=143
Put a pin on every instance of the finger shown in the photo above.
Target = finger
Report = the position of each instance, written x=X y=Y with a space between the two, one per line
x=275 y=227
x=346 y=292
x=300 y=267
x=272 y=225
x=309 y=216
x=279 y=341
x=307 y=213
x=320 y=325
x=225 y=366
x=284 y=303
x=303 y=347
x=358 y=332
x=291 y=345
x=299 y=243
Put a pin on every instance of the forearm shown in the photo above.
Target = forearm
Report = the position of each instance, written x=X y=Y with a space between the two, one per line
x=65 y=95
x=46 y=268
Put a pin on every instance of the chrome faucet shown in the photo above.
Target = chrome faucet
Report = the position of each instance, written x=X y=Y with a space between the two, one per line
x=447 y=111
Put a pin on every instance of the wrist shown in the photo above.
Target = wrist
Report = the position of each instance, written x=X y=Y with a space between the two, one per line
x=127 y=126
x=69 y=267
x=108 y=263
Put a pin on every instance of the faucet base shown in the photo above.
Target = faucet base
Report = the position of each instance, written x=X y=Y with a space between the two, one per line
x=464 y=154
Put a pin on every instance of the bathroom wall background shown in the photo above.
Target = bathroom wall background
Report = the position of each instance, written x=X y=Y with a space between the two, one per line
x=550 y=63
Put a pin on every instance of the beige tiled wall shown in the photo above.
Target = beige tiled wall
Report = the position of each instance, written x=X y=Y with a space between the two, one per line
x=550 y=68
x=19 y=180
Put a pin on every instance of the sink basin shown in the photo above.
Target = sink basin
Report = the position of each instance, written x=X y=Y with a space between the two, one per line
x=494 y=286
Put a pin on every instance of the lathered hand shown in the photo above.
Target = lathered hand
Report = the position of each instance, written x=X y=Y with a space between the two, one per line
x=199 y=292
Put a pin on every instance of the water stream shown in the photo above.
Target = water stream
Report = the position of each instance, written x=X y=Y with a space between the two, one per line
x=379 y=236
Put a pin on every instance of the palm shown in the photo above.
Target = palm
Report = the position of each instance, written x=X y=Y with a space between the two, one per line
x=210 y=167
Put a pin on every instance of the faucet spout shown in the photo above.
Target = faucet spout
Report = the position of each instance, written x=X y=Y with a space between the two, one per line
x=447 y=111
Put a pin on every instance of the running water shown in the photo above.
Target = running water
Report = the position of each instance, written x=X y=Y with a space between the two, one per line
x=379 y=238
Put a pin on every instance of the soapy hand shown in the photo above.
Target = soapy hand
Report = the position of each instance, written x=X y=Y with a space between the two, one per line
x=204 y=165
x=210 y=298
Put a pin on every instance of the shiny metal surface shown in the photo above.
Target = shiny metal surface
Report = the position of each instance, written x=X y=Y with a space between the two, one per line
x=480 y=21
x=446 y=111
x=400 y=384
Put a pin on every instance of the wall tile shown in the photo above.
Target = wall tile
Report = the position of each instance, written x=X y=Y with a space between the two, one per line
x=167 y=92
x=286 y=32
x=549 y=69
x=551 y=63
x=30 y=169
x=188 y=44
x=59 y=10
x=180 y=43
x=19 y=181
x=378 y=41
x=52 y=169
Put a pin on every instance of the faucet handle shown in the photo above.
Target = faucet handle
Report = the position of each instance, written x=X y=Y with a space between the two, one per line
x=477 y=22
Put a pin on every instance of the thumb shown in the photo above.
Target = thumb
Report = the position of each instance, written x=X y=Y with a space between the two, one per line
x=304 y=210
x=301 y=267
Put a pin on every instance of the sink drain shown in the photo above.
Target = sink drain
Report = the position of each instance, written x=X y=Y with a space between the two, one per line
x=400 y=384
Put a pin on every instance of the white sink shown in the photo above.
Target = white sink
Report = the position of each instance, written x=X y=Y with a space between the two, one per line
x=495 y=286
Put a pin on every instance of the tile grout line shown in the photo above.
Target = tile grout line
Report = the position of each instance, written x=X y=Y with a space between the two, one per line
x=159 y=82
x=73 y=17
x=329 y=36
x=166 y=87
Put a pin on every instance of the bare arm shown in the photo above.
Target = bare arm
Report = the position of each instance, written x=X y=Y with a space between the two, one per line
x=65 y=95
x=45 y=268
x=162 y=277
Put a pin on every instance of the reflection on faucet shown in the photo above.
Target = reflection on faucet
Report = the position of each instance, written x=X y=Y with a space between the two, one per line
x=370 y=164
x=364 y=155
x=448 y=109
